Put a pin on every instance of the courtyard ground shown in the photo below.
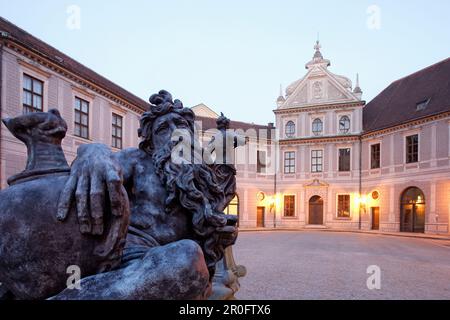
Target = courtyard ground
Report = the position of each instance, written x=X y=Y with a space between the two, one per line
x=333 y=265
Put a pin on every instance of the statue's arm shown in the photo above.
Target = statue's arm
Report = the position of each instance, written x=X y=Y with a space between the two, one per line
x=126 y=159
x=96 y=177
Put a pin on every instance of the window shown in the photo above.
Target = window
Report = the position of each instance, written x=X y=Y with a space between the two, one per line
x=289 y=162
x=33 y=91
x=233 y=207
x=422 y=105
x=289 y=206
x=344 y=159
x=375 y=156
x=316 y=160
x=261 y=162
x=81 y=118
x=344 y=124
x=343 y=206
x=412 y=149
x=116 y=132
x=290 y=129
x=317 y=127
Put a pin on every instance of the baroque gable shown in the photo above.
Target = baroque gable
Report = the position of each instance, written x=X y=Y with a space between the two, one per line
x=319 y=86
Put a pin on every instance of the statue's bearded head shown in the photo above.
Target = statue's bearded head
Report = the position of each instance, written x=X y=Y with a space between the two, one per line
x=191 y=186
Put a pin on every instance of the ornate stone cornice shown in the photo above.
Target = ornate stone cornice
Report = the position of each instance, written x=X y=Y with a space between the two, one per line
x=34 y=68
x=47 y=62
x=323 y=107
x=343 y=138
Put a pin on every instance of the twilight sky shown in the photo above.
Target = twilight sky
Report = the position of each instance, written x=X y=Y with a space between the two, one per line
x=233 y=55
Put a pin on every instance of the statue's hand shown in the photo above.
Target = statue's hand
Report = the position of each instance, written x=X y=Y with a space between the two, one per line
x=228 y=234
x=95 y=182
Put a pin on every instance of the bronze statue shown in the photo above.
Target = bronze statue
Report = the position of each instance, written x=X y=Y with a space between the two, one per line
x=138 y=224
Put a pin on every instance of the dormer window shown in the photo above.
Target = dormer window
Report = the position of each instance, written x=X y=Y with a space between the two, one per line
x=290 y=129
x=317 y=127
x=422 y=105
x=344 y=124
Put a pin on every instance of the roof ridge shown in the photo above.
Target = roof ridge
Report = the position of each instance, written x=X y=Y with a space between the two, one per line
x=422 y=70
x=397 y=103
x=64 y=57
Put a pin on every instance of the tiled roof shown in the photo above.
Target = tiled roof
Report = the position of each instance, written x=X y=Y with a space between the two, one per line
x=421 y=94
x=41 y=48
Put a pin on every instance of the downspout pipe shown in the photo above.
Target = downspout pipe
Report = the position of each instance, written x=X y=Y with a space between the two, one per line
x=275 y=185
x=360 y=181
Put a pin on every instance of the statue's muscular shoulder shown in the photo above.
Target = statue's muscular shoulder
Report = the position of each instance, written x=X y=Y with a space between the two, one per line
x=132 y=159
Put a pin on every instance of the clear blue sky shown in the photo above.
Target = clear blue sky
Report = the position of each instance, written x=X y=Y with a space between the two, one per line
x=233 y=55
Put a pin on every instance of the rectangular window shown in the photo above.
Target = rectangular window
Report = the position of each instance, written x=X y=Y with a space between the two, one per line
x=344 y=160
x=33 y=94
x=316 y=160
x=81 y=118
x=289 y=162
x=412 y=148
x=375 y=156
x=344 y=206
x=116 y=132
x=289 y=206
x=261 y=162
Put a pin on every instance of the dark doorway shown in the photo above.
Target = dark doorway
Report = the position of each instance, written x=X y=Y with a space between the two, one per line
x=412 y=211
x=260 y=217
x=375 y=218
x=316 y=210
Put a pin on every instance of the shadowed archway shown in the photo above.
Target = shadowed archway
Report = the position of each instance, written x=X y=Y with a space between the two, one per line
x=316 y=210
x=412 y=210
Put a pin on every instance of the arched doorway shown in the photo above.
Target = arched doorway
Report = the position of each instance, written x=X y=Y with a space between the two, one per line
x=316 y=210
x=412 y=210
x=233 y=207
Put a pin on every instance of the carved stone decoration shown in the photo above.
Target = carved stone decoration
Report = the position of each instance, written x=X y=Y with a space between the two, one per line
x=302 y=96
x=137 y=224
x=316 y=183
x=226 y=279
x=334 y=93
x=317 y=90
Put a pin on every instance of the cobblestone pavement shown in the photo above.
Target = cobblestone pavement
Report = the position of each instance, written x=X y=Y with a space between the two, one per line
x=333 y=265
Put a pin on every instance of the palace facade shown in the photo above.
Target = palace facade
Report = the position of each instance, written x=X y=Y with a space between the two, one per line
x=381 y=166
x=332 y=162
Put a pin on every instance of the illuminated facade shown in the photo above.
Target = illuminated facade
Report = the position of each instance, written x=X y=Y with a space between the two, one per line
x=346 y=165
x=342 y=164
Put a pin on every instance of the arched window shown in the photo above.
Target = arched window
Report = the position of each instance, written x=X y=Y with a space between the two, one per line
x=344 y=124
x=233 y=207
x=412 y=210
x=290 y=129
x=317 y=127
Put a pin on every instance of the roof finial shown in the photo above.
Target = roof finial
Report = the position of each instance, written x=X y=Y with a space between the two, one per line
x=281 y=99
x=357 y=87
x=317 y=47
